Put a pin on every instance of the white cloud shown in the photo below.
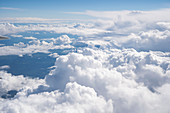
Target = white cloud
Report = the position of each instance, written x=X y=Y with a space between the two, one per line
x=2 y=44
x=75 y=99
x=133 y=32
x=87 y=30
x=128 y=71
x=55 y=55
x=150 y=40
x=164 y=25
x=147 y=16
x=32 y=38
x=16 y=35
x=33 y=46
x=35 y=20
x=116 y=75
x=4 y=67
x=10 y=82
x=64 y=39
x=95 y=80
x=9 y=8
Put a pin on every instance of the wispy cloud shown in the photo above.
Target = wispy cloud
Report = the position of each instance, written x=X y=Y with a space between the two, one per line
x=36 y=20
x=9 y=8
x=153 y=15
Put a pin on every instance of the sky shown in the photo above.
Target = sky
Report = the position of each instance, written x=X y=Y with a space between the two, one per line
x=59 y=8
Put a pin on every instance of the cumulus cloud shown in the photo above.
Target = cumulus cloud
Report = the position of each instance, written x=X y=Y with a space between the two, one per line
x=95 y=80
x=127 y=71
x=35 y=46
x=10 y=82
x=150 y=40
x=87 y=30
x=75 y=99
x=63 y=39
x=55 y=55
x=121 y=63
x=126 y=29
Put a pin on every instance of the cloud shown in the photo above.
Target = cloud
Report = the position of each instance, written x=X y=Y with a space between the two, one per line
x=161 y=15
x=4 y=67
x=120 y=63
x=36 y=46
x=9 y=8
x=74 y=99
x=150 y=40
x=10 y=82
x=83 y=30
x=16 y=35
x=113 y=80
x=64 y=39
x=31 y=38
x=35 y=20
x=55 y=55
x=115 y=75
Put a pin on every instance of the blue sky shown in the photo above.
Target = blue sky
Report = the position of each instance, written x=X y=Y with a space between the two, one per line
x=57 y=8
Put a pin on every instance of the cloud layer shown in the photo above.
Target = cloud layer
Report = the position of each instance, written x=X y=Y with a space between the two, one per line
x=112 y=81
x=118 y=63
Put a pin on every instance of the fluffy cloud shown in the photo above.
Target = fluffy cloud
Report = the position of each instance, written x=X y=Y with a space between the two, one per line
x=63 y=39
x=9 y=82
x=121 y=33
x=55 y=55
x=120 y=64
x=115 y=76
x=35 y=46
x=75 y=99
x=151 y=40
x=87 y=30
x=95 y=80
